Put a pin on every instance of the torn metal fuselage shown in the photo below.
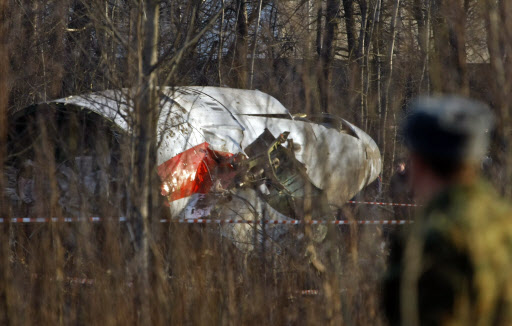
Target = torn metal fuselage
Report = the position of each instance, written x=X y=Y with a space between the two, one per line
x=240 y=154
x=335 y=157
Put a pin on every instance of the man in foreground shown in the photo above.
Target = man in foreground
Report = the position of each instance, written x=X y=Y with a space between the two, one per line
x=455 y=265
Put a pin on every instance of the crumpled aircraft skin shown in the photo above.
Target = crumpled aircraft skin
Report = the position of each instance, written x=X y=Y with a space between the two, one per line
x=238 y=153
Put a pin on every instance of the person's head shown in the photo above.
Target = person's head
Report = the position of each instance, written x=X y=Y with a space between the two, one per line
x=400 y=167
x=446 y=136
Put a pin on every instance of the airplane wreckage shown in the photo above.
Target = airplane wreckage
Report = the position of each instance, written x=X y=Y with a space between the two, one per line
x=223 y=153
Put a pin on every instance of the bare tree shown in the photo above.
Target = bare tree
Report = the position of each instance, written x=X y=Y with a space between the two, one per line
x=359 y=59
x=255 y=44
x=146 y=110
x=388 y=79
x=241 y=45
x=499 y=47
x=449 y=60
x=5 y=276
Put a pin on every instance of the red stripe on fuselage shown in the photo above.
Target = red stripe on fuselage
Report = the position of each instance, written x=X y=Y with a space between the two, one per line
x=194 y=171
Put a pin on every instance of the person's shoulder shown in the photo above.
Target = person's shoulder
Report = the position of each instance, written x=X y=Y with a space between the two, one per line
x=487 y=201
x=478 y=199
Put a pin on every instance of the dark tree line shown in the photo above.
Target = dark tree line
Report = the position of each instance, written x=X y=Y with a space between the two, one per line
x=360 y=59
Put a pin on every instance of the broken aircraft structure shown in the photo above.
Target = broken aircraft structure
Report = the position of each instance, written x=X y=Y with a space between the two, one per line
x=226 y=153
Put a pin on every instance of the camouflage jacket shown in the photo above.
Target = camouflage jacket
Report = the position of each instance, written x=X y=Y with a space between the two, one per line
x=454 y=267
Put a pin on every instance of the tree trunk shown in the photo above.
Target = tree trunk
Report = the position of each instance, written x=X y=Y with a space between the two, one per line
x=221 y=45
x=255 y=43
x=387 y=85
x=421 y=13
x=5 y=274
x=240 y=58
x=348 y=7
x=500 y=49
x=144 y=151
x=363 y=7
x=319 y=34
x=327 y=53
x=448 y=65
x=367 y=76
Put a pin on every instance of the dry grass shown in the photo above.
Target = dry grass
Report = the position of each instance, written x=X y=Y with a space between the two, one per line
x=196 y=277
x=90 y=273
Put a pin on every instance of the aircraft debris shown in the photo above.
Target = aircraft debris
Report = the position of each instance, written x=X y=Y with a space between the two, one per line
x=223 y=153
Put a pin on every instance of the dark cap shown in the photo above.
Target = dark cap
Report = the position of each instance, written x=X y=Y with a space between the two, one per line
x=450 y=128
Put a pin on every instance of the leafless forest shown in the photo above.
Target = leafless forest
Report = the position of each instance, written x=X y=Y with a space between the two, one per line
x=362 y=60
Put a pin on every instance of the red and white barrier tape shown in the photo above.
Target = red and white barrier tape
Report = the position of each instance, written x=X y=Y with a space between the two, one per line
x=81 y=281
x=309 y=292
x=289 y=222
x=70 y=280
x=91 y=281
x=380 y=203
x=205 y=221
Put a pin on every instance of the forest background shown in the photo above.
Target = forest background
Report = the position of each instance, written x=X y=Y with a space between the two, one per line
x=363 y=60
